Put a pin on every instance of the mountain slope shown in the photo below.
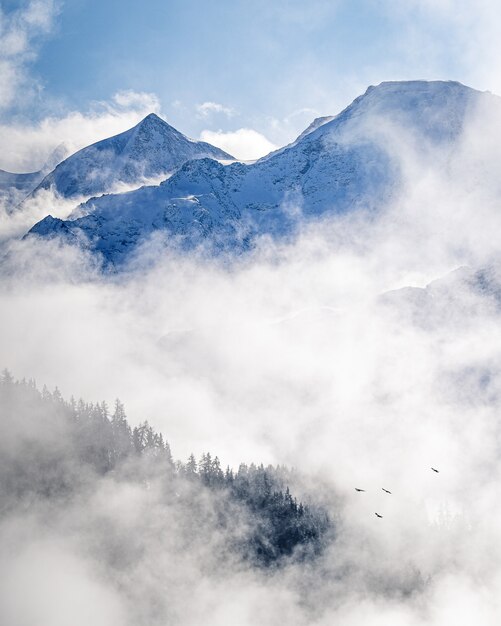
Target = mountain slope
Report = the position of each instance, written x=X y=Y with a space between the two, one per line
x=455 y=298
x=350 y=161
x=150 y=149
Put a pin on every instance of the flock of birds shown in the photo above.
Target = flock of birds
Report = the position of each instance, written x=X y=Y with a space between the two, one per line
x=387 y=491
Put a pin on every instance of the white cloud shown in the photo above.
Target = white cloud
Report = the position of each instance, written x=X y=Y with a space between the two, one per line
x=19 y=32
x=244 y=143
x=138 y=100
x=207 y=108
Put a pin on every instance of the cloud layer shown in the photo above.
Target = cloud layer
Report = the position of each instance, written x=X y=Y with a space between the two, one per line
x=286 y=357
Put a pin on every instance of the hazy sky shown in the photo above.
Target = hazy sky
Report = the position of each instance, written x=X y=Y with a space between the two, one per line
x=224 y=66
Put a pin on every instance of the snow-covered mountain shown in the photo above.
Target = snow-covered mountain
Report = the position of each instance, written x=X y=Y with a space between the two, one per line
x=456 y=297
x=338 y=164
x=150 y=149
x=15 y=187
x=23 y=183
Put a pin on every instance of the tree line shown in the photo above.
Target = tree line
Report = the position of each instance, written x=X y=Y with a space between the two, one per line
x=57 y=447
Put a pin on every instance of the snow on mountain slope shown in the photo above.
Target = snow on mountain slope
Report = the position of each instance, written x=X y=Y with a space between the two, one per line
x=337 y=165
x=150 y=149
x=317 y=122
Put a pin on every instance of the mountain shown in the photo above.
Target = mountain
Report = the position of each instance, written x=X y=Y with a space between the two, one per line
x=455 y=298
x=338 y=164
x=23 y=183
x=150 y=149
x=15 y=187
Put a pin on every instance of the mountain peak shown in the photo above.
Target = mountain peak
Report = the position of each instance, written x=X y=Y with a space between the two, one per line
x=422 y=89
x=436 y=109
x=405 y=84
x=152 y=118
x=150 y=149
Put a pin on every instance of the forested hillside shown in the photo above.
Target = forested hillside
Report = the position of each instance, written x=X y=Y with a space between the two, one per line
x=56 y=451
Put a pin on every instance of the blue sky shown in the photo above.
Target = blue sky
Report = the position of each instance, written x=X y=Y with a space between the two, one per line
x=270 y=66
x=245 y=53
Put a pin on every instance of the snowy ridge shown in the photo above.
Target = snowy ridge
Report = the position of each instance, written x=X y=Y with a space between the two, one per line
x=339 y=164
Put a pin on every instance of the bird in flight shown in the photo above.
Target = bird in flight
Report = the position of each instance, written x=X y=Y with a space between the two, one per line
x=357 y=489
x=386 y=490
x=377 y=515
x=435 y=470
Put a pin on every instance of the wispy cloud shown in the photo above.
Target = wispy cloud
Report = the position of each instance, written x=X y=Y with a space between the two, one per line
x=208 y=108
x=136 y=100
x=20 y=32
